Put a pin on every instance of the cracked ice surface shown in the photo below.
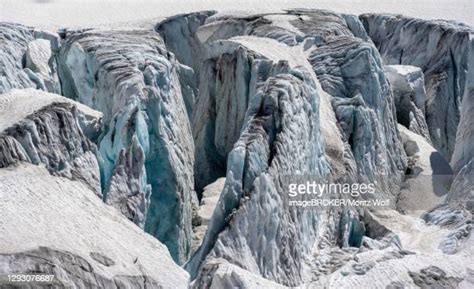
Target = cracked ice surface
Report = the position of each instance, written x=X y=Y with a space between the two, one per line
x=19 y=44
x=50 y=130
x=300 y=92
x=441 y=50
x=147 y=149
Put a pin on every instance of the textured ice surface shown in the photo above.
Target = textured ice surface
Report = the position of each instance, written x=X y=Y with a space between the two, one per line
x=408 y=86
x=65 y=230
x=458 y=220
x=441 y=50
x=244 y=58
x=351 y=71
x=48 y=129
x=39 y=58
x=379 y=268
x=229 y=79
x=222 y=274
x=178 y=32
x=25 y=58
x=300 y=92
x=462 y=161
x=284 y=108
x=240 y=54
x=147 y=151
x=338 y=56
x=280 y=103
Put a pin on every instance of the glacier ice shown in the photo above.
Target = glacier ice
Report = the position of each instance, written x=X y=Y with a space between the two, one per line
x=233 y=106
x=126 y=182
x=456 y=213
x=338 y=56
x=351 y=71
x=46 y=129
x=463 y=156
x=225 y=275
x=179 y=35
x=409 y=94
x=240 y=55
x=26 y=58
x=40 y=60
x=441 y=50
x=134 y=81
x=229 y=78
x=457 y=219
x=285 y=102
x=238 y=49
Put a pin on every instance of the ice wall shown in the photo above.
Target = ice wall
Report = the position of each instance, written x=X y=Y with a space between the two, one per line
x=26 y=58
x=146 y=152
x=441 y=50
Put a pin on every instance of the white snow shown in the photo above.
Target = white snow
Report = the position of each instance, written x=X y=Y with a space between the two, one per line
x=38 y=209
x=53 y=14
x=231 y=276
x=403 y=76
x=425 y=161
x=37 y=56
x=20 y=103
x=429 y=185
x=275 y=50
x=407 y=78
x=210 y=197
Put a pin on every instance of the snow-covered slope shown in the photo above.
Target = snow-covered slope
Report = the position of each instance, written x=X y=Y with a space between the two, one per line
x=54 y=14
x=61 y=228
x=428 y=177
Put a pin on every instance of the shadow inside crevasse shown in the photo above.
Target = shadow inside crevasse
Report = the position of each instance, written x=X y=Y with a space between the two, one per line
x=442 y=174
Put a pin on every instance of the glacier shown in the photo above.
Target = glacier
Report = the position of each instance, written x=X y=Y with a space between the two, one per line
x=409 y=93
x=252 y=188
x=240 y=54
x=212 y=130
x=462 y=161
x=26 y=58
x=441 y=50
x=49 y=130
x=161 y=156
x=146 y=153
